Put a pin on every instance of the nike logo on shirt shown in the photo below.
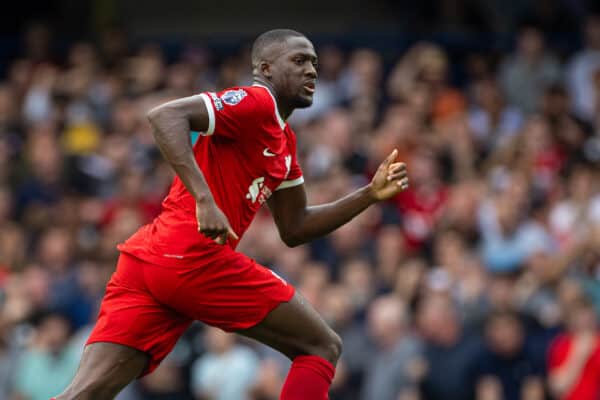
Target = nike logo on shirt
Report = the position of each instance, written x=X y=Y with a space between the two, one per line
x=267 y=153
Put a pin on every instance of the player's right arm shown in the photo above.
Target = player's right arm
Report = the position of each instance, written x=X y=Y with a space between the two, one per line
x=172 y=123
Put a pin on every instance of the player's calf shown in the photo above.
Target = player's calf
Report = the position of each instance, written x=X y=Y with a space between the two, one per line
x=89 y=393
x=105 y=369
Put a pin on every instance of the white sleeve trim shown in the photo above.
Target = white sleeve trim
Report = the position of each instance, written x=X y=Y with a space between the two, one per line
x=293 y=182
x=211 y=115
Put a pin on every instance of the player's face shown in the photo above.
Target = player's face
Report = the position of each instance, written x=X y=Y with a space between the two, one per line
x=295 y=73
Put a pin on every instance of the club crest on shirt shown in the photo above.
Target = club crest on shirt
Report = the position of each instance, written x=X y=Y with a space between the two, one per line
x=258 y=191
x=233 y=97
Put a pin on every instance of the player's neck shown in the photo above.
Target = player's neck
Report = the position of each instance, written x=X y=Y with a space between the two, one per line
x=283 y=110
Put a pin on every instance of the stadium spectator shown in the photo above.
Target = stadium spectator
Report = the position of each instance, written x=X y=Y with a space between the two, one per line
x=223 y=354
x=395 y=365
x=574 y=357
x=526 y=75
x=448 y=349
x=581 y=69
x=491 y=119
x=50 y=361
x=507 y=365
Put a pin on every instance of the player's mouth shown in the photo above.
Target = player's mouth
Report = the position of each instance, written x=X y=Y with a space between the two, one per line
x=309 y=87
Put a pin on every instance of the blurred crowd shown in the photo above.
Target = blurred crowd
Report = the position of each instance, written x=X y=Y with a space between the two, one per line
x=481 y=281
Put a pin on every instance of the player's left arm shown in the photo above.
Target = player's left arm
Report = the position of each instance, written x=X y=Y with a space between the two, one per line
x=297 y=223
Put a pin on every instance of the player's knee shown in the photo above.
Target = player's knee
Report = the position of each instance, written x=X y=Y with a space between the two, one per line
x=337 y=346
x=331 y=348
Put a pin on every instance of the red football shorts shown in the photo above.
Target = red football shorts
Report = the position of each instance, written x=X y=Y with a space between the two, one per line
x=148 y=307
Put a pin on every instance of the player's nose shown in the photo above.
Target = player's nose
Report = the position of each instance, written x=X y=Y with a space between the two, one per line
x=311 y=72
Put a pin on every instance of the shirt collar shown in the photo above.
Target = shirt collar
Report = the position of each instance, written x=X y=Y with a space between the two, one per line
x=277 y=115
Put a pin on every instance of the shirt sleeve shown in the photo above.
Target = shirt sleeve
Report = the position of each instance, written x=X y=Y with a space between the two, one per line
x=294 y=177
x=232 y=111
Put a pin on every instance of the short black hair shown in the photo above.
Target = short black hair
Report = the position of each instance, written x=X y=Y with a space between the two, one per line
x=267 y=39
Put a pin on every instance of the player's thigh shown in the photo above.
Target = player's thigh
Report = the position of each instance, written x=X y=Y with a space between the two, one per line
x=295 y=328
x=105 y=369
x=132 y=317
x=231 y=292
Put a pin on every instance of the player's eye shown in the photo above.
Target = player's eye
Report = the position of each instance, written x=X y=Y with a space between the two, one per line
x=299 y=61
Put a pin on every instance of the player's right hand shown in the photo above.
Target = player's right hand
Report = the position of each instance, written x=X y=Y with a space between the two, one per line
x=212 y=223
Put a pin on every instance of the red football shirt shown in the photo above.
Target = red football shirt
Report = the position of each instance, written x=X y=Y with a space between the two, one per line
x=588 y=384
x=247 y=152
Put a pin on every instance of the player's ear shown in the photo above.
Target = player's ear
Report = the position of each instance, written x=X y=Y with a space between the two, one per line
x=265 y=69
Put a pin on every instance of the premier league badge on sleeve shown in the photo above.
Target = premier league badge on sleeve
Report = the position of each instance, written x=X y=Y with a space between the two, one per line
x=233 y=97
x=216 y=101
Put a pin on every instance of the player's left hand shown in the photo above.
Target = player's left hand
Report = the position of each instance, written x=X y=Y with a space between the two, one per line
x=390 y=179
